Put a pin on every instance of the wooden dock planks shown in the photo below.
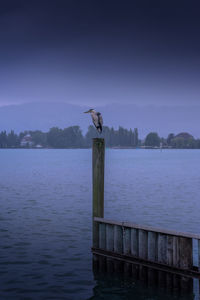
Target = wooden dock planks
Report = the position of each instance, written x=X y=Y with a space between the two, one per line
x=145 y=243
x=151 y=246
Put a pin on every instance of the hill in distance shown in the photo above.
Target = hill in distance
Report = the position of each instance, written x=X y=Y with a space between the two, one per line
x=43 y=116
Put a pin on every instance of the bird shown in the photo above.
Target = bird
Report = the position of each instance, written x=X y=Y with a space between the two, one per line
x=96 y=118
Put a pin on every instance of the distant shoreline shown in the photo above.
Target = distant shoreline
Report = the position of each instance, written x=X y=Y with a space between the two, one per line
x=114 y=148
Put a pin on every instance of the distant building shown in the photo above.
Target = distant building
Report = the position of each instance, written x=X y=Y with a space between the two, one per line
x=27 y=141
x=183 y=140
x=184 y=135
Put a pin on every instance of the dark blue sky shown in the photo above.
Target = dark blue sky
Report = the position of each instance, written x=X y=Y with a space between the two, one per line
x=89 y=52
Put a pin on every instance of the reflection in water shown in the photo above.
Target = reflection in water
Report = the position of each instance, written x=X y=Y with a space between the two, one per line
x=121 y=280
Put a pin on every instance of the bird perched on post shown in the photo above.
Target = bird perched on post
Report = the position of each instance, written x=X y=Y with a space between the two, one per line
x=96 y=118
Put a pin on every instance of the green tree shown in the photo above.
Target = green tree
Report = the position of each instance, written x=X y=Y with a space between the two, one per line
x=106 y=134
x=152 y=139
x=112 y=137
x=91 y=133
x=12 y=139
x=135 y=137
x=170 y=138
x=39 y=137
x=132 y=138
x=3 y=139
x=198 y=144
x=191 y=143
x=178 y=142
x=54 y=139
x=72 y=137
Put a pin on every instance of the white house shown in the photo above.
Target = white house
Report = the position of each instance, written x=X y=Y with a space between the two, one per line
x=27 y=141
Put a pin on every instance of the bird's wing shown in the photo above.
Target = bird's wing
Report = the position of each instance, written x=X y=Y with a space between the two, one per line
x=101 y=120
x=95 y=119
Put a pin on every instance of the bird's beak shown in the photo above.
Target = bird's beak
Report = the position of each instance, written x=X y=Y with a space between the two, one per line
x=86 y=112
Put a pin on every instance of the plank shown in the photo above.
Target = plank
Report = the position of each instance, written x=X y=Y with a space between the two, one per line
x=109 y=237
x=134 y=242
x=152 y=246
x=135 y=270
x=118 y=239
x=152 y=277
x=102 y=264
x=127 y=270
x=170 y=250
x=109 y=265
x=143 y=244
x=143 y=274
x=148 y=228
x=102 y=236
x=162 y=279
x=186 y=257
x=126 y=240
x=176 y=255
x=162 y=248
x=169 y=281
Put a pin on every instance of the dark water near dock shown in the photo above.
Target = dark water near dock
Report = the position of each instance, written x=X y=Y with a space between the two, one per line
x=45 y=217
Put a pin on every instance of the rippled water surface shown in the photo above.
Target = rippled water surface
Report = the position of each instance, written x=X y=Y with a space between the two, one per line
x=45 y=216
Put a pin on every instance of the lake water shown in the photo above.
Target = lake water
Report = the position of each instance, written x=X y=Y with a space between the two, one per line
x=45 y=216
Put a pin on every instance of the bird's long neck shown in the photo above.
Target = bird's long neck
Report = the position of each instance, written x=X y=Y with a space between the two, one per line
x=93 y=113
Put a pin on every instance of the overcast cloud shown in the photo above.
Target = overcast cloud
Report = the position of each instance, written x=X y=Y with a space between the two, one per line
x=100 y=52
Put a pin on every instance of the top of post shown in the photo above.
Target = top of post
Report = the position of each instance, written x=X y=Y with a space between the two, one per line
x=98 y=141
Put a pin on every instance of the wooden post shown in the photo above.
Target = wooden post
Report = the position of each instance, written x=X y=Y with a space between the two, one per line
x=98 y=153
x=198 y=255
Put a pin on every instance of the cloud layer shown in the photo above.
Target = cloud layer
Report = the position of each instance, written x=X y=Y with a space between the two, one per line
x=100 y=52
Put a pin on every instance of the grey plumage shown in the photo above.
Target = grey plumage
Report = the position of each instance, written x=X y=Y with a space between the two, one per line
x=97 y=119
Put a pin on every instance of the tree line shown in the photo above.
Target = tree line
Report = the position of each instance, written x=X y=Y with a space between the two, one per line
x=182 y=140
x=72 y=137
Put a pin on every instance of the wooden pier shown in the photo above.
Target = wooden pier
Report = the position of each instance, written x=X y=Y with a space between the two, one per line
x=121 y=273
x=161 y=249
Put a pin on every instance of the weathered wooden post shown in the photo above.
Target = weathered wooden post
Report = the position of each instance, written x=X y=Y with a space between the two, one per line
x=98 y=154
x=198 y=255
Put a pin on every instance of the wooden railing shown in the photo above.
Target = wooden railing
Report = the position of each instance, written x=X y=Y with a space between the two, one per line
x=127 y=241
x=153 y=245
